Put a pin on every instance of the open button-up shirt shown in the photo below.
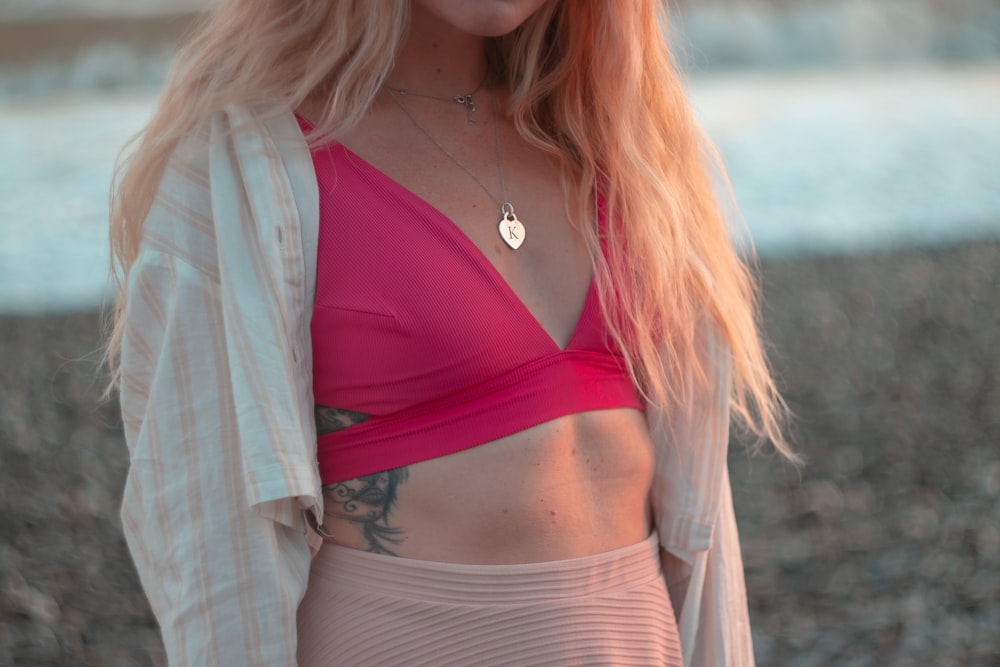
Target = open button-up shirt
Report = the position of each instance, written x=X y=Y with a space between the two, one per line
x=217 y=403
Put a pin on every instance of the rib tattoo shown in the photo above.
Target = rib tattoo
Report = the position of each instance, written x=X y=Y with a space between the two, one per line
x=365 y=500
x=331 y=420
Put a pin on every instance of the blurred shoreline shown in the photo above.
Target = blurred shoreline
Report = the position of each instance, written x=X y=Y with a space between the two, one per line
x=60 y=39
x=821 y=162
x=845 y=125
x=38 y=38
x=884 y=551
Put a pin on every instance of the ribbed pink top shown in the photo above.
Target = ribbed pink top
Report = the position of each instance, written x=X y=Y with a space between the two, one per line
x=415 y=327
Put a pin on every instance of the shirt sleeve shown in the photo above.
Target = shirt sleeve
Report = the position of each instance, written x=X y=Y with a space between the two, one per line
x=693 y=509
x=223 y=581
x=213 y=503
x=709 y=596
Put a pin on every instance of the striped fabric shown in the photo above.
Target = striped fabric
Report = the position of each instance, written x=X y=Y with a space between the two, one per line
x=607 y=609
x=217 y=404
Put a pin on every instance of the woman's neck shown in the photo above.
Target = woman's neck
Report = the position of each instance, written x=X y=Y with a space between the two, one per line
x=438 y=59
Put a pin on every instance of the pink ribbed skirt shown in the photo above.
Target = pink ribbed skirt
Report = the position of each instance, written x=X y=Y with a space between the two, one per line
x=607 y=609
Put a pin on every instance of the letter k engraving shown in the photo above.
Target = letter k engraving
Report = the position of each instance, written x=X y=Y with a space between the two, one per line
x=511 y=230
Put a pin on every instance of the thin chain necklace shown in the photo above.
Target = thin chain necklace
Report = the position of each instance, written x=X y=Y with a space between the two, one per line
x=511 y=229
x=464 y=100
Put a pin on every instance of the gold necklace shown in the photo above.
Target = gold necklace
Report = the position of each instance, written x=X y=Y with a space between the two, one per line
x=464 y=100
x=511 y=229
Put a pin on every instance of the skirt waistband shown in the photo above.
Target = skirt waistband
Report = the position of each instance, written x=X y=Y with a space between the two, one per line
x=520 y=583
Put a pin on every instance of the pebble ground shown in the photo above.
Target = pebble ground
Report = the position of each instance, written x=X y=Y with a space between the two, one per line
x=883 y=550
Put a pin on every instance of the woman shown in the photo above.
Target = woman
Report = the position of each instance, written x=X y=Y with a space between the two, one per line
x=448 y=383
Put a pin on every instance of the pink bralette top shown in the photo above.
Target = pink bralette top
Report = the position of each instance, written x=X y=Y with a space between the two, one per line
x=413 y=326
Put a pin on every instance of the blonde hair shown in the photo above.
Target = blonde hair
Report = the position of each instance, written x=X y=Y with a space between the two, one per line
x=592 y=82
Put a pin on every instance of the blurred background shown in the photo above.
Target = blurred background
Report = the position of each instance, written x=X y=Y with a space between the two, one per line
x=862 y=138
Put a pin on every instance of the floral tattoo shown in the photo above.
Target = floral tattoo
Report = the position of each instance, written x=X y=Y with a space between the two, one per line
x=367 y=500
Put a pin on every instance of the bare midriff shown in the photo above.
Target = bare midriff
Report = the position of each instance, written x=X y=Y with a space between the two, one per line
x=574 y=486
x=571 y=487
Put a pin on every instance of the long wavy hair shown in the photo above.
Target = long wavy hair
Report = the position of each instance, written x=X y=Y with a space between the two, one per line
x=592 y=82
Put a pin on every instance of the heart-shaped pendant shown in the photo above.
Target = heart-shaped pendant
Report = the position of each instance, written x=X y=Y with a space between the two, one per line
x=510 y=228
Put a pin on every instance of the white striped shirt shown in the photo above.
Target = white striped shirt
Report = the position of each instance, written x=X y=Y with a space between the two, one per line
x=218 y=411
